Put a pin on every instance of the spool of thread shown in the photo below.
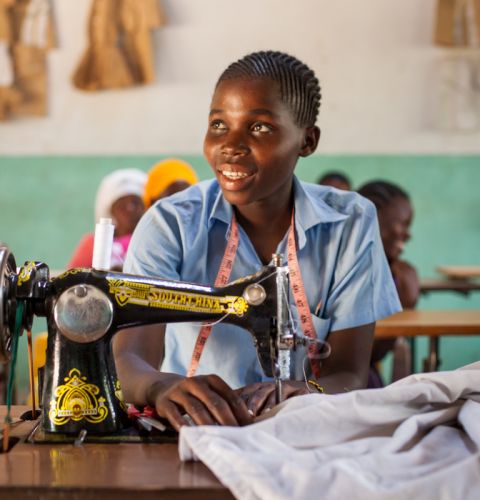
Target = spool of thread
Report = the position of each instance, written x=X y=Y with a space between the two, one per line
x=102 y=244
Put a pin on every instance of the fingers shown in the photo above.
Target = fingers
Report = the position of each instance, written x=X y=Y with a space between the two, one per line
x=205 y=399
x=171 y=412
x=260 y=398
x=236 y=405
x=208 y=400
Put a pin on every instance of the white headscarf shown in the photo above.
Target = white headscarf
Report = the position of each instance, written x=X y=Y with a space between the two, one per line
x=122 y=182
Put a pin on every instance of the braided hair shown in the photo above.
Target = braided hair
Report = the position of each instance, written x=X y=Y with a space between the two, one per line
x=381 y=193
x=299 y=87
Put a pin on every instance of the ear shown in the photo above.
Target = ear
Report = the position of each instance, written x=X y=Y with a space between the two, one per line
x=310 y=142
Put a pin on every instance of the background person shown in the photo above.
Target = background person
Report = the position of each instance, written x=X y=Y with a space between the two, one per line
x=167 y=177
x=395 y=215
x=336 y=180
x=119 y=197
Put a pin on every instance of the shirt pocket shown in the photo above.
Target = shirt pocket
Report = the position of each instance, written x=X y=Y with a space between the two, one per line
x=322 y=326
x=301 y=365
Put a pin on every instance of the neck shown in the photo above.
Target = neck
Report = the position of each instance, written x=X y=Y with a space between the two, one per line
x=265 y=213
x=266 y=224
x=261 y=218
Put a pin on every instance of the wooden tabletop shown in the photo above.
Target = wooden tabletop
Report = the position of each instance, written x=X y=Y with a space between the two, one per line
x=449 y=285
x=460 y=272
x=107 y=471
x=432 y=323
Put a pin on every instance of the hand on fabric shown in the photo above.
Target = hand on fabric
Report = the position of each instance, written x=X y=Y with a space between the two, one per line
x=260 y=397
x=206 y=399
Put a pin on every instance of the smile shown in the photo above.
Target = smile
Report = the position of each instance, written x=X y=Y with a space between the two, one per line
x=233 y=175
x=234 y=180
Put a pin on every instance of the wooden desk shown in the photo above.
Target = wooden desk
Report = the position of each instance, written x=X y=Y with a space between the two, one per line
x=106 y=471
x=449 y=285
x=460 y=272
x=434 y=324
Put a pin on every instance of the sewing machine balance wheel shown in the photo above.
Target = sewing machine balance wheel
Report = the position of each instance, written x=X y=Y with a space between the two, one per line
x=8 y=270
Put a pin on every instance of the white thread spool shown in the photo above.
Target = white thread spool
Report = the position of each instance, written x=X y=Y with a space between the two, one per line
x=102 y=244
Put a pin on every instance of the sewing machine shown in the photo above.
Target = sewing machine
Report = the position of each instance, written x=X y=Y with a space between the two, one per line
x=85 y=307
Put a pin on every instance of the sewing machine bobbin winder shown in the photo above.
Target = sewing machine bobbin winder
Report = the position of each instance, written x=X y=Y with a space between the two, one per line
x=85 y=307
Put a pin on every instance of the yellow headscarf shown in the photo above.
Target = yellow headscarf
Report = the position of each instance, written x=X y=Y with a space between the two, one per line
x=164 y=173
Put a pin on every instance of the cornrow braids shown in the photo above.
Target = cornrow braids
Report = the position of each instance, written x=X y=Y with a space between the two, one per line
x=299 y=87
x=381 y=193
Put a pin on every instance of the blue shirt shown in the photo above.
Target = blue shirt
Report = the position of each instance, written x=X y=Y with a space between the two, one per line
x=344 y=269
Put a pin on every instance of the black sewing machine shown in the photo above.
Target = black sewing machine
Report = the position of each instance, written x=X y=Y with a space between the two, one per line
x=85 y=307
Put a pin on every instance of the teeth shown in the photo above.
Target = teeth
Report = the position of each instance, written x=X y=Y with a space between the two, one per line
x=234 y=175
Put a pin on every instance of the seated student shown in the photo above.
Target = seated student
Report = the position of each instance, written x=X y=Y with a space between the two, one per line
x=335 y=179
x=261 y=121
x=167 y=177
x=395 y=215
x=118 y=197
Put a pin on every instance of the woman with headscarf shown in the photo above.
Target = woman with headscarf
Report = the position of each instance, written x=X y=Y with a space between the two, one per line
x=119 y=197
x=166 y=178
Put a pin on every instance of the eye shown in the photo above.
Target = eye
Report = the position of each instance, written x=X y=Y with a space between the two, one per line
x=218 y=125
x=262 y=128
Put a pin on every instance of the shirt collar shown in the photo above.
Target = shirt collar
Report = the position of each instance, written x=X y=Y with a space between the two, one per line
x=309 y=211
x=221 y=209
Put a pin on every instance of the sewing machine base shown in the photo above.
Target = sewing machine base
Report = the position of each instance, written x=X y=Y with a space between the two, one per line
x=133 y=434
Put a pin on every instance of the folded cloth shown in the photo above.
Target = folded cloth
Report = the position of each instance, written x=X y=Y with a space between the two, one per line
x=417 y=438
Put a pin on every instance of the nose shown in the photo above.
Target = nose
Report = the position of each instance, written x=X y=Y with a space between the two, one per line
x=235 y=145
x=134 y=206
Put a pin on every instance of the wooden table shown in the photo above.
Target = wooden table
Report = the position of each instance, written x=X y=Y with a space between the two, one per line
x=460 y=272
x=107 y=471
x=449 y=285
x=433 y=324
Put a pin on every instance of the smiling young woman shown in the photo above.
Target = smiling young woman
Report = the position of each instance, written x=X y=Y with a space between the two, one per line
x=262 y=120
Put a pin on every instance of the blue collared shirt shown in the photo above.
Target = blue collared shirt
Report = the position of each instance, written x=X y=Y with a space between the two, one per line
x=344 y=270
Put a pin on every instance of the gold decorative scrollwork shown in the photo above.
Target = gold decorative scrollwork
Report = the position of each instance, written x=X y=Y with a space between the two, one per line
x=119 y=395
x=77 y=400
x=25 y=272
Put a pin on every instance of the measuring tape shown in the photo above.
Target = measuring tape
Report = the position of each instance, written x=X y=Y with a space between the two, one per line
x=298 y=291
x=223 y=277
x=301 y=301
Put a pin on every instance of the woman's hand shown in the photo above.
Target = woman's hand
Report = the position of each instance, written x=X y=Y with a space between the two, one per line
x=206 y=399
x=260 y=397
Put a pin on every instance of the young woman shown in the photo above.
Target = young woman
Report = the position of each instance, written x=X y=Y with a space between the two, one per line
x=395 y=214
x=262 y=120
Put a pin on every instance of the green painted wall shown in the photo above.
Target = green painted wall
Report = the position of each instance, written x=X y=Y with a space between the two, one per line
x=46 y=204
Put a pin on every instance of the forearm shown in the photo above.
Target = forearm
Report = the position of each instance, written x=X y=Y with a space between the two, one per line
x=139 y=379
x=138 y=354
x=340 y=382
x=346 y=369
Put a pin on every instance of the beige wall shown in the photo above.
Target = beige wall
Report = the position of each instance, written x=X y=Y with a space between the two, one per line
x=375 y=60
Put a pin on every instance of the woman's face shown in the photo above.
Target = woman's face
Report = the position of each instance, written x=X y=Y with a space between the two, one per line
x=253 y=142
x=126 y=212
x=394 y=220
